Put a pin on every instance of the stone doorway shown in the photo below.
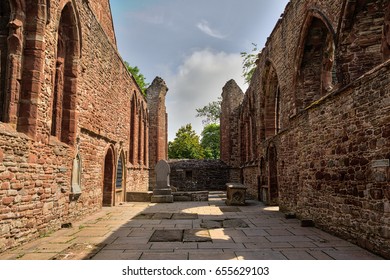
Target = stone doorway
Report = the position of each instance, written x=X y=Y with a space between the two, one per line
x=273 y=176
x=108 y=181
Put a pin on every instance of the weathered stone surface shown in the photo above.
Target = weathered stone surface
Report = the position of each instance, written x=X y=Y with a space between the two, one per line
x=229 y=209
x=144 y=216
x=162 y=192
x=311 y=133
x=210 y=224
x=234 y=223
x=184 y=216
x=235 y=194
x=162 y=216
x=167 y=235
x=224 y=223
x=198 y=175
x=196 y=235
x=158 y=121
x=139 y=196
x=101 y=106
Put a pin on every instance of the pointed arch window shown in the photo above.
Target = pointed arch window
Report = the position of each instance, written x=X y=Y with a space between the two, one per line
x=120 y=173
x=64 y=96
x=133 y=113
x=272 y=102
x=316 y=70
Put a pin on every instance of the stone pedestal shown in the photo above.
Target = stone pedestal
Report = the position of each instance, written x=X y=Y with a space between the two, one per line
x=235 y=194
x=162 y=192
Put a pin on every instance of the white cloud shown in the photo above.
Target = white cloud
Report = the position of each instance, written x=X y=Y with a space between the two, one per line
x=204 y=26
x=198 y=81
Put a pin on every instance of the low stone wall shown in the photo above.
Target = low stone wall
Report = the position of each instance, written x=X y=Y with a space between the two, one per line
x=198 y=175
x=191 y=196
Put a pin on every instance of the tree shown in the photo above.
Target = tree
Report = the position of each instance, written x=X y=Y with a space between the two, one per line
x=185 y=145
x=249 y=63
x=211 y=133
x=139 y=78
x=211 y=141
x=211 y=112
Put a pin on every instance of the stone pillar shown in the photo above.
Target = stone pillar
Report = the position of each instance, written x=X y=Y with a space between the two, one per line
x=158 y=123
x=162 y=192
x=232 y=97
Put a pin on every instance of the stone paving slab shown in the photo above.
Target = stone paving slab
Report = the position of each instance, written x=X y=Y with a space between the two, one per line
x=185 y=216
x=169 y=235
x=193 y=255
x=260 y=255
x=196 y=235
x=174 y=245
x=125 y=232
x=164 y=256
x=37 y=256
x=297 y=255
x=116 y=255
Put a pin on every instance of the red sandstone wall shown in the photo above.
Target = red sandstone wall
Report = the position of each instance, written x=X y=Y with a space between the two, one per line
x=158 y=123
x=327 y=152
x=332 y=178
x=102 y=11
x=35 y=169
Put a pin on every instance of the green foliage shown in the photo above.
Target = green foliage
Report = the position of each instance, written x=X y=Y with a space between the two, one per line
x=211 y=112
x=139 y=78
x=211 y=141
x=186 y=144
x=249 y=63
x=211 y=134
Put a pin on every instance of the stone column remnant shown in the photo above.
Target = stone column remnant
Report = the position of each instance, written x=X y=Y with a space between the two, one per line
x=158 y=125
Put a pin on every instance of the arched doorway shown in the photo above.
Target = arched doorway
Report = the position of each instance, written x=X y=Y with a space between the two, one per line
x=108 y=180
x=120 y=180
x=273 y=176
x=262 y=185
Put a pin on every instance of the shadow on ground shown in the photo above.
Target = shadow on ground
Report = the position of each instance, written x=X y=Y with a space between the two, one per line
x=189 y=231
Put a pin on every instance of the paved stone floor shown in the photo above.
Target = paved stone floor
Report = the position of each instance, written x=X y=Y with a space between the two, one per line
x=189 y=230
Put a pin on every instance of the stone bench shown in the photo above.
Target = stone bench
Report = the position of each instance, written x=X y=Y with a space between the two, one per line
x=235 y=194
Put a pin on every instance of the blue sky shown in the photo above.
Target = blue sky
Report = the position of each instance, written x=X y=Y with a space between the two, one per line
x=194 y=45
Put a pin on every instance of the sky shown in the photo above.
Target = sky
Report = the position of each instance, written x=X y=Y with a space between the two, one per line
x=194 y=45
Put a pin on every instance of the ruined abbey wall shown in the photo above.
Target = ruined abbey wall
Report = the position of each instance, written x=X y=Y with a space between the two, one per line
x=314 y=122
x=158 y=126
x=74 y=124
x=102 y=11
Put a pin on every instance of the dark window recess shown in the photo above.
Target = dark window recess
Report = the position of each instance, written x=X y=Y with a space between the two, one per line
x=188 y=174
x=119 y=175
